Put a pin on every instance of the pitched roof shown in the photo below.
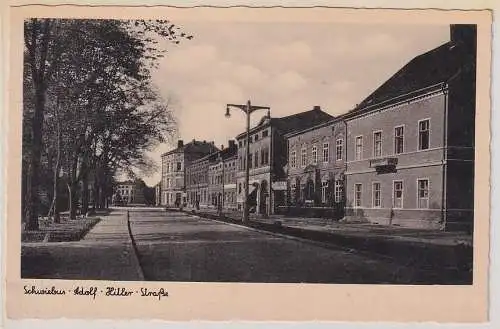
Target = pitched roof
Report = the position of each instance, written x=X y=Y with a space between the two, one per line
x=294 y=122
x=432 y=68
x=201 y=147
x=302 y=120
x=326 y=123
x=228 y=152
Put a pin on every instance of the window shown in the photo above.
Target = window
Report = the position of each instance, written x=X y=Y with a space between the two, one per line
x=256 y=137
x=357 y=195
x=239 y=188
x=423 y=193
x=377 y=144
x=256 y=160
x=338 y=191
x=314 y=155
x=339 y=149
x=240 y=144
x=250 y=161
x=358 y=148
x=423 y=134
x=265 y=156
x=324 y=188
x=399 y=140
x=179 y=166
x=397 y=201
x=293 y=159
x=265 y=133
x=376 y=195
x=326 y=152
x=303 y=157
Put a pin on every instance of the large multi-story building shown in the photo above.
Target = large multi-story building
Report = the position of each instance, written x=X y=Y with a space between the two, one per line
x=411 y=142
x=222 y=178
x=174 y=162
x=316 y=166
x=268 y=157
x=197 y=181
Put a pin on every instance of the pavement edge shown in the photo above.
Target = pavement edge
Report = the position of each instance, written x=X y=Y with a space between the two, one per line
x=325 y=245
x=140 y=271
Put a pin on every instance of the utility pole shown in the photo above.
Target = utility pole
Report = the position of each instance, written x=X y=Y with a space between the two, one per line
x=248 y=108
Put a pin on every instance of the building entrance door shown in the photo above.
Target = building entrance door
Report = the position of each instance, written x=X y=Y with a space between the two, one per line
x=263 y=194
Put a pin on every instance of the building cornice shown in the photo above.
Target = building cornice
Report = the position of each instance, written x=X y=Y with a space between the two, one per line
x=399 y=101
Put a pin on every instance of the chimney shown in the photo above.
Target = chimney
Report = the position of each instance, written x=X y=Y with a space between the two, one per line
x=221 y=146
x=194 y=140
x=317 y=108
x=232 y=144
x=463 y=33
x=180 y=143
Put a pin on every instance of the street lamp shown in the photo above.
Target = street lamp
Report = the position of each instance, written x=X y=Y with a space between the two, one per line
x=248 y=108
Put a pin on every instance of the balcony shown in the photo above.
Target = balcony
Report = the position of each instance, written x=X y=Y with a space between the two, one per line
x=384 y=164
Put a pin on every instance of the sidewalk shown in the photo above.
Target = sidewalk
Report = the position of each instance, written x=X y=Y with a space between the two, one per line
x=105 y=253
x=410 y=246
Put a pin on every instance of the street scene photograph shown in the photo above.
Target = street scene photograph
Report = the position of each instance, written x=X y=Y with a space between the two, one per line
x=248 y=151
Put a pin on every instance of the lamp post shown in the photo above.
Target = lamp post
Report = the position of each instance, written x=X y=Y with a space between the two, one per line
x=248 y=108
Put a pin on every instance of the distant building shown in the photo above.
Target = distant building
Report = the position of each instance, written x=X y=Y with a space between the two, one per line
x=174 y=162
x=222 y=178
x=316 y=166
x=268 y=157
x=129 y=192
x=158 y=194
x=411 y=142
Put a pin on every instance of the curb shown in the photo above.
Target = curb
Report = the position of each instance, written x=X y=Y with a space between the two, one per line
x=140 y=271
x=325 y=245
x=373 y=248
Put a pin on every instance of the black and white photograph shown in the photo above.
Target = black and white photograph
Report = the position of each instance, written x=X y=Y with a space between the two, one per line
x=248 y=163
x=250 y=152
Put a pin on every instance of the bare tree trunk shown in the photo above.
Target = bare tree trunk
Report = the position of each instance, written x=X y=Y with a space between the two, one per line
x=38 y=65
x=32 y=197
x=73 y=200
x=85 y=194
x=72 y=187
x=70 y=196
x=85 y=183
x=55 y=200
x=95 y=192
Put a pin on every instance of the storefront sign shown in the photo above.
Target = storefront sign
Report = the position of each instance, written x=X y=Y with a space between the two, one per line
x=279 y=186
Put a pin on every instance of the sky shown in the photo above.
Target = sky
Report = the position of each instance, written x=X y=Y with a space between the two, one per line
x=290 y=67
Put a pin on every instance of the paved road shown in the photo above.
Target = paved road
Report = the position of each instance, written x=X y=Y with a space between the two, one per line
x=180 y=247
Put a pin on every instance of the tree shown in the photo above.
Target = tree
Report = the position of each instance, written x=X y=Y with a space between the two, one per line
x=104 y=67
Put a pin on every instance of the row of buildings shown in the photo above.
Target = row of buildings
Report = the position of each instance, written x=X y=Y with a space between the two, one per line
x=403 y=156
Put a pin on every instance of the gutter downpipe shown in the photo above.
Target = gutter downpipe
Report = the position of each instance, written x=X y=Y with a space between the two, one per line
x=445 y=158
x=344 y=188
x=271 y=169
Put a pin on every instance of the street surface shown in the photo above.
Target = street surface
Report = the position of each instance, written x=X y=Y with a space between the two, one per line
x=180 y=247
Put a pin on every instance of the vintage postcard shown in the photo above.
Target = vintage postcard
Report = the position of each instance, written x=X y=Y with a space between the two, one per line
x=245 y=163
